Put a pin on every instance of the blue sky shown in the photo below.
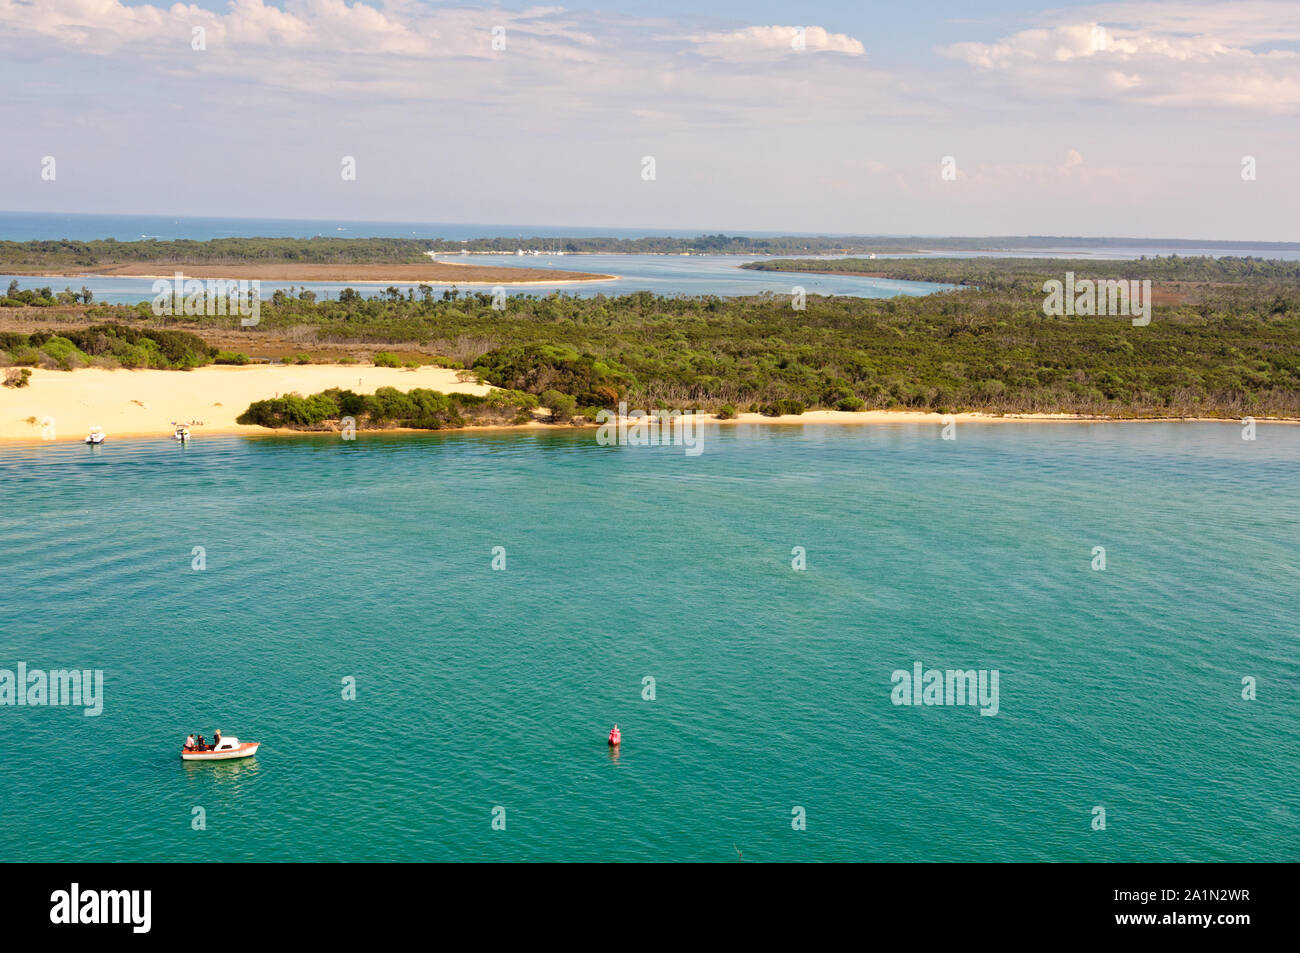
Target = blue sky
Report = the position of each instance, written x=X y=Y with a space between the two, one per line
x=1123 y=118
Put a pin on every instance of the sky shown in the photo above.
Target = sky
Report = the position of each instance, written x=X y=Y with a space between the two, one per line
x=1138 y=118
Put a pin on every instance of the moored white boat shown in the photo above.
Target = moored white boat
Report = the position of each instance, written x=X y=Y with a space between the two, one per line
x=226 y=750
x=182 y=434
x=96 y=435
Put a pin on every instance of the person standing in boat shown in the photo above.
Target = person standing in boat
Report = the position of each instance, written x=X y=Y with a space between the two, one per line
x=216 y=742
x=199 y=744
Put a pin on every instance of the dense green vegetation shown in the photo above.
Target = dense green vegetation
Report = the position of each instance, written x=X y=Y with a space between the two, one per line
x=43 y=297
x=420 y=409
x=1224 y=340
x=54 y=255
x=218 y=251
x=1026 y=275
x=114 y=345
x=812 y=244
x=664 y=245
x=1231 y=347
x=537 y=368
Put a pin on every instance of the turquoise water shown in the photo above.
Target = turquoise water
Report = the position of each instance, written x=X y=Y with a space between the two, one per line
x=479 y=688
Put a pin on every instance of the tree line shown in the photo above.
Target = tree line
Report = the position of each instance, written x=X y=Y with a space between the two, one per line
x=1228 y=344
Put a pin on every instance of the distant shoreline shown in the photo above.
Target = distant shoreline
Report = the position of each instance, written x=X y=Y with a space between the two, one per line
x=436 y=272
x=139 y=404
x=865 y=418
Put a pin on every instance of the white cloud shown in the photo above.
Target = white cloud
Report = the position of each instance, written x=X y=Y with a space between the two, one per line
x=1184 y=54
x=747 y=129
x=763 y=41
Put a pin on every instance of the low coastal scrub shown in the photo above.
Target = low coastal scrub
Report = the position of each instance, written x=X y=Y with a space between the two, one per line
x=1224 y=340
x=64 y=353
x=43 y=297
x=782 y=408
x=545 y=368
x=50 y=255
x=110 y=345
x=562 y=407
x=1026 y=275
x=418 y=409
x=1227 y=343
x=220 y=251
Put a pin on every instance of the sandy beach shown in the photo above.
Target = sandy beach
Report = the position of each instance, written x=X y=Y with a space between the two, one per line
x=143 y=403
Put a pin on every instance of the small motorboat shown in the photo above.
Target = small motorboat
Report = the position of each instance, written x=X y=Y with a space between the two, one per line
x=615 y=737
x=182 y=434
x=96 y=436
x=226 y=749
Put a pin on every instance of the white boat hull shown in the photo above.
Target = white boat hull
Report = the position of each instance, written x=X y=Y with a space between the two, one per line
x=246 y=750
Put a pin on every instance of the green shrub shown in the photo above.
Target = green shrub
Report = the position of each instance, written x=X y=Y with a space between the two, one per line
x=136 y=355
x=231 y=357
x=539 y=367
x=726 y=411
x=852 y=404
x=66 y=354
x=781 y=408
x=387 y=359
x=420 y=408
x=562 y=406
x=18 y=377
x=25 y=355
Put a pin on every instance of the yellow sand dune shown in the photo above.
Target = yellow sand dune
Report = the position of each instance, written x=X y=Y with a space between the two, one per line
x=65 y=404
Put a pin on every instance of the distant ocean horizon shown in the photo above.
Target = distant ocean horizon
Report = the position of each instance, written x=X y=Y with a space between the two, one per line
x=56 y=226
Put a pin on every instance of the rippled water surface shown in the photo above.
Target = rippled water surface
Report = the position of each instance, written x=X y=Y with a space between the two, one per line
x=478 y=688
